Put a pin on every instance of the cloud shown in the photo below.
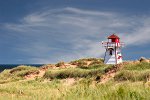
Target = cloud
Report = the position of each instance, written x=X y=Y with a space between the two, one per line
x=140 y=35
x=69 y=33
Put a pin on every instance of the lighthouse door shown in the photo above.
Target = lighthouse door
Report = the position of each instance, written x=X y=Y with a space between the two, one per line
x=110 y=51
x=110 y=56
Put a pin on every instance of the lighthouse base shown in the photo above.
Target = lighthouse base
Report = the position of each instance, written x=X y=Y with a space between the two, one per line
x=110 y=60
x=113 y=56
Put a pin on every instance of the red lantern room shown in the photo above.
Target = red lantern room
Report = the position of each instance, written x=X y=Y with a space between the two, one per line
x=114 y=38
x=113 y=41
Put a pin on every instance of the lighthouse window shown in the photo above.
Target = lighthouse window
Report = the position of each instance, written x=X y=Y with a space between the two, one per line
x=118 y=53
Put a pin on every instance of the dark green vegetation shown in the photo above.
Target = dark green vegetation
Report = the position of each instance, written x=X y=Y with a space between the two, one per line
x=131 y=82
x=73 y=73
x=134 y=72
x=83 y=63
x=83 y=70
x=17 y=73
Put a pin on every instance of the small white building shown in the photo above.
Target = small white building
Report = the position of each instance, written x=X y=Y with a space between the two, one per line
x=113 y=50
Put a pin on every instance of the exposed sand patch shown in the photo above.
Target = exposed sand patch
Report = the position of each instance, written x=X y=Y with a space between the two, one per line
x=111 y=73
x=70 y=65
x=68 y=81
x=88 y=62
x=33 y=76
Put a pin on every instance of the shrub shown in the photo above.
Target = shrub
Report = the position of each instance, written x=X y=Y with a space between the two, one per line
x=60 y=64
x=79 y=63
x=71 y=73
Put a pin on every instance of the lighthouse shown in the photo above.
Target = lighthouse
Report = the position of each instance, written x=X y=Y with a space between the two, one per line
x=113 y=50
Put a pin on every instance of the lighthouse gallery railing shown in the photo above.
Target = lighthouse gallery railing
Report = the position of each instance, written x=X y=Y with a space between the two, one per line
x=112 y=44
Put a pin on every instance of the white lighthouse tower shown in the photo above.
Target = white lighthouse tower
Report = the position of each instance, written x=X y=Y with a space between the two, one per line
x=113 y=50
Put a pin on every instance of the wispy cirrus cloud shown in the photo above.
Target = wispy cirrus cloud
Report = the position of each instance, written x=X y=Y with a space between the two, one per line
x=71 y=33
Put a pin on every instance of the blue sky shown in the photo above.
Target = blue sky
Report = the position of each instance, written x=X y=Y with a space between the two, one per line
x=49 y=31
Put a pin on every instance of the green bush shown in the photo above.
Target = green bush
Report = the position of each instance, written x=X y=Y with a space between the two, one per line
x=71 y=73
x=60 y=64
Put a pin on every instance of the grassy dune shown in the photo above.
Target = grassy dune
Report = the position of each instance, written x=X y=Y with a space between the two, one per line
x=83 y=82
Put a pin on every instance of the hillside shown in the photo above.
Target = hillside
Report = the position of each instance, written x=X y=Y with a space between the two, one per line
x=83 y=79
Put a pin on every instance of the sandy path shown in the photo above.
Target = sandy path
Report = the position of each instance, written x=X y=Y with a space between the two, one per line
x=111 y=73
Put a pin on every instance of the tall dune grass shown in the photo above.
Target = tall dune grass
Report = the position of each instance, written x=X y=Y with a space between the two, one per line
x=77 y=72
x=138 y=66
x=134 y=72
x=133 y=76
x=82 y=90
x=16 y=73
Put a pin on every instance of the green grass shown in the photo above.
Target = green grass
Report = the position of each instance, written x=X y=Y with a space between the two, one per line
x=134 y=72
x=110 y=91
x=16 y=73
x=139 y=66
x=59 y=64
x=83 y=62
x=72 y=73
x=30 y=90
x=130 y=83
x=133 y=75
x=79 y=72
x=82 y=90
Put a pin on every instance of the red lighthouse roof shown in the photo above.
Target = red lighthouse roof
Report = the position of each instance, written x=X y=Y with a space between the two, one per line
x=113 y=36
